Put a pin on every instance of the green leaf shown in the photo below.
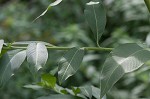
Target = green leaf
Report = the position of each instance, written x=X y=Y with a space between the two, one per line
x=95 y=15
x=87 y=91
x=96 y=93
x=5 y=70
x=123 y=59
x=48 y=80
x=59 y=97
x=50 y=5
x=1 y=45
x=17 y=59
x=37 y=55
x=34 y=87
x=9 y=62
x=70 y=63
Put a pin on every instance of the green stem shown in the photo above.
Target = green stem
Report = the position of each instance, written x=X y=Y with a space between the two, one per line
x=147 y=2
x=63 y=48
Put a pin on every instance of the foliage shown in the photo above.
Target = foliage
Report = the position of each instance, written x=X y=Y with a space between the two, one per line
x=127 y=57
x=96 y=17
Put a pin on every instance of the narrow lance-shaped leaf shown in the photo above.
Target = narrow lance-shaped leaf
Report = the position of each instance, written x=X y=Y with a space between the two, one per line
x=9 y=63
x=34 y=87
x=95 y=15
x=96 y=93
x=70 y=63
x=87 y=91
x=123 y=59
x=5 y=70
x=17 y=60
x=37 y=55
x=50 y=5
x=1 y=45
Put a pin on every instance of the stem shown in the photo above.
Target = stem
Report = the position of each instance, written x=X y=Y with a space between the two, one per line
x=147 y=2
x=63 y=48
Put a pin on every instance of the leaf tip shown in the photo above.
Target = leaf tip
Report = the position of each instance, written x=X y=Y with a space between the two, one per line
x=92 y=3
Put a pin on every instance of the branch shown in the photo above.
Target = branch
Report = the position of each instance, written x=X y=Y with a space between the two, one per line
x=62 y=48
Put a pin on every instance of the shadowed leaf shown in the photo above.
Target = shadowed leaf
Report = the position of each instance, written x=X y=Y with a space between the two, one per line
x=95 y=15
x=9 y=62
x=123 y=59
x=70 y=63
x=87 y=91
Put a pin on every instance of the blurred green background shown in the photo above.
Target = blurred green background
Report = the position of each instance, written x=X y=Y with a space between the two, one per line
x=128 y=21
